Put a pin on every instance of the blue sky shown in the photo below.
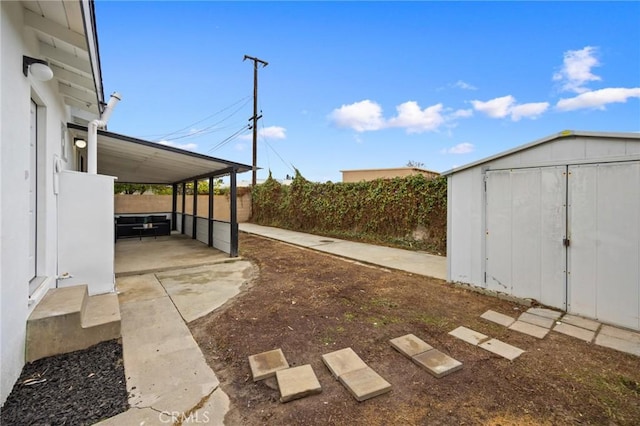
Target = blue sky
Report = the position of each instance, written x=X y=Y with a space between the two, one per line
x=354 y=85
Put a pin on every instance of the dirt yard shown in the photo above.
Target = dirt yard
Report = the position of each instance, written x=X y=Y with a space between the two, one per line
x=309 y=304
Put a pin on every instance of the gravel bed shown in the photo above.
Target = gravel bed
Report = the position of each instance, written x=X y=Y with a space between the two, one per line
x=78 y=388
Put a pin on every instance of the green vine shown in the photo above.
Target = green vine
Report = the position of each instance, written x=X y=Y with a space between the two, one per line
x=407 y=212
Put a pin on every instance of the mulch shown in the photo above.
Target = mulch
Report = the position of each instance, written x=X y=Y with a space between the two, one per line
x=77 y=388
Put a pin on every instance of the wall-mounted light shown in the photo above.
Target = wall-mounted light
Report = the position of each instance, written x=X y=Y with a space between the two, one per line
x=38 y=68
x=80 y=143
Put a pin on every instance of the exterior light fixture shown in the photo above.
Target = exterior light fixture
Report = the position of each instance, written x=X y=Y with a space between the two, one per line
x=80 y=143
x=38 y=68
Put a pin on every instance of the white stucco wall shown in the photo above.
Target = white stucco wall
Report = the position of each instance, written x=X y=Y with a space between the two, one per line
x=16 y=90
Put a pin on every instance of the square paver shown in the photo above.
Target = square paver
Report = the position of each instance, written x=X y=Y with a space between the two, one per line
x=498 y=318
x=343 y=361
x=266 y=364
x=437 y=363
x=410 y=345
x=468 y=335
x=505 y=350
x=364 y=383
x=297 y=382
x=544 y=312
x=529 y=329
x=573 y=331
x=580 y=322
x=622 y=345
x=538 y=320
x=620 y=333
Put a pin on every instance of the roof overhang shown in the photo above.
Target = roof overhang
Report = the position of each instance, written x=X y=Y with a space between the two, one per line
x=560 y=135
x=133 y=160
x=67 y=39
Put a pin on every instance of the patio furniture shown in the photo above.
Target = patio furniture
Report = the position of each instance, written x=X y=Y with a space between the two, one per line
x=127 y=226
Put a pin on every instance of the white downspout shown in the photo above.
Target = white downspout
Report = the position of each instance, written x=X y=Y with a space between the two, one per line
x=92 y=130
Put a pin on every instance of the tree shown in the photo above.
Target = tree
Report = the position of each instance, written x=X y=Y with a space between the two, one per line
x=129 y=188
x=416 y=164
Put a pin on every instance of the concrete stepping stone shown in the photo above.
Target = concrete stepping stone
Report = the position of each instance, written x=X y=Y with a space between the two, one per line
x=544 y=312
x=574 y=331
x=423 y=354
x=502 y=349
x=619 y=339
x=498 y=318
x=538 y=320
x=364 y=383
x=297 y=382
x=529 y=329
x=359 y=379
x=580 y=322
x=343 y=361
x=468 y=335
x=437 y=363
x=265 y=364
x=410 y=345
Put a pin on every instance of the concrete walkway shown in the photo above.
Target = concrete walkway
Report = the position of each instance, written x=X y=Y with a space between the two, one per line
x=168 y=378
x=404 y=260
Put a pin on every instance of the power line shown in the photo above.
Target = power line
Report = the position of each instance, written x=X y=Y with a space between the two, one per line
x=229 y=139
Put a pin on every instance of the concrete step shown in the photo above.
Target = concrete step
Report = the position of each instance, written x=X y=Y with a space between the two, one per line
x=67 y=320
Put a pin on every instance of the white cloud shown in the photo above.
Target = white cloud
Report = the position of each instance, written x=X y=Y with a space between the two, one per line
x=461 y=148
x=240 y=147
x=576 y=69
x=465 y=86
x=416 y=120
x=186 y=146
x=597 y=99
x=495 y=108
x=506 y=106
x=360 y=116
x=271 y=132
x=462 y=113
x=530 y=110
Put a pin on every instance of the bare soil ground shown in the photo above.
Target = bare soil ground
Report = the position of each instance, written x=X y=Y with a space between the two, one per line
x=309 y=304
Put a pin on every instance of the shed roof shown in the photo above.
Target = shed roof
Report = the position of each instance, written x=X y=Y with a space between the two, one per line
x=134 y=160
x=555 y=136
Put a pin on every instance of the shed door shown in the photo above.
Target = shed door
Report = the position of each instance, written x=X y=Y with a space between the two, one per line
x=525 y=229
x=604 y=255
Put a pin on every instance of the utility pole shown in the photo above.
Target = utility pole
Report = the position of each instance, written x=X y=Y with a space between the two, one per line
x=255 y=117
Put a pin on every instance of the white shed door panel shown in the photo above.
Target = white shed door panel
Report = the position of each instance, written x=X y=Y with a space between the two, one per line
x=604 y=256
x=526 y=219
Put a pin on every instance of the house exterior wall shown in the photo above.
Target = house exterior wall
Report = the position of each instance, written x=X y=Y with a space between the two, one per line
x=372 y=174
x=466 y=224
x=16 y=92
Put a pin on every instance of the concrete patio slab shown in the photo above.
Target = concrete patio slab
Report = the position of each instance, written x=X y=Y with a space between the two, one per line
x=581 y=322
x=199 y=291
x=364 y=383
x=404 y=260
x=437 y=363
x=544 y=312
x=502 y=349
x=573 y=331
x=265 y=364
x=212 y=412
x=343 y=361
x=498 y=318
x=622 y=345
x=538 y=320
x=469 y=335
x=297 y=382
x=529 y=329
x=410 y=345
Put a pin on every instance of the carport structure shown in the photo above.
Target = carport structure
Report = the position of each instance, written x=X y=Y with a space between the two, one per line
x=137 y=161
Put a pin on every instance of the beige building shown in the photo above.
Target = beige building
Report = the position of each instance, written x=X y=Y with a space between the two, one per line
x=373 y=174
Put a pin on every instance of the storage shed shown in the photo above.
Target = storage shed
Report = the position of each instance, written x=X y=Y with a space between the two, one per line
x=556 y=220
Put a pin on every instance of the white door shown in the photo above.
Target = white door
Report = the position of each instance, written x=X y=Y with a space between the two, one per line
x=33 y=192
x=525 y=232
x=604 y=229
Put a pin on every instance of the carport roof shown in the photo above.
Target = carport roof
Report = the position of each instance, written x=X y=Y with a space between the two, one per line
x=134 y=160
